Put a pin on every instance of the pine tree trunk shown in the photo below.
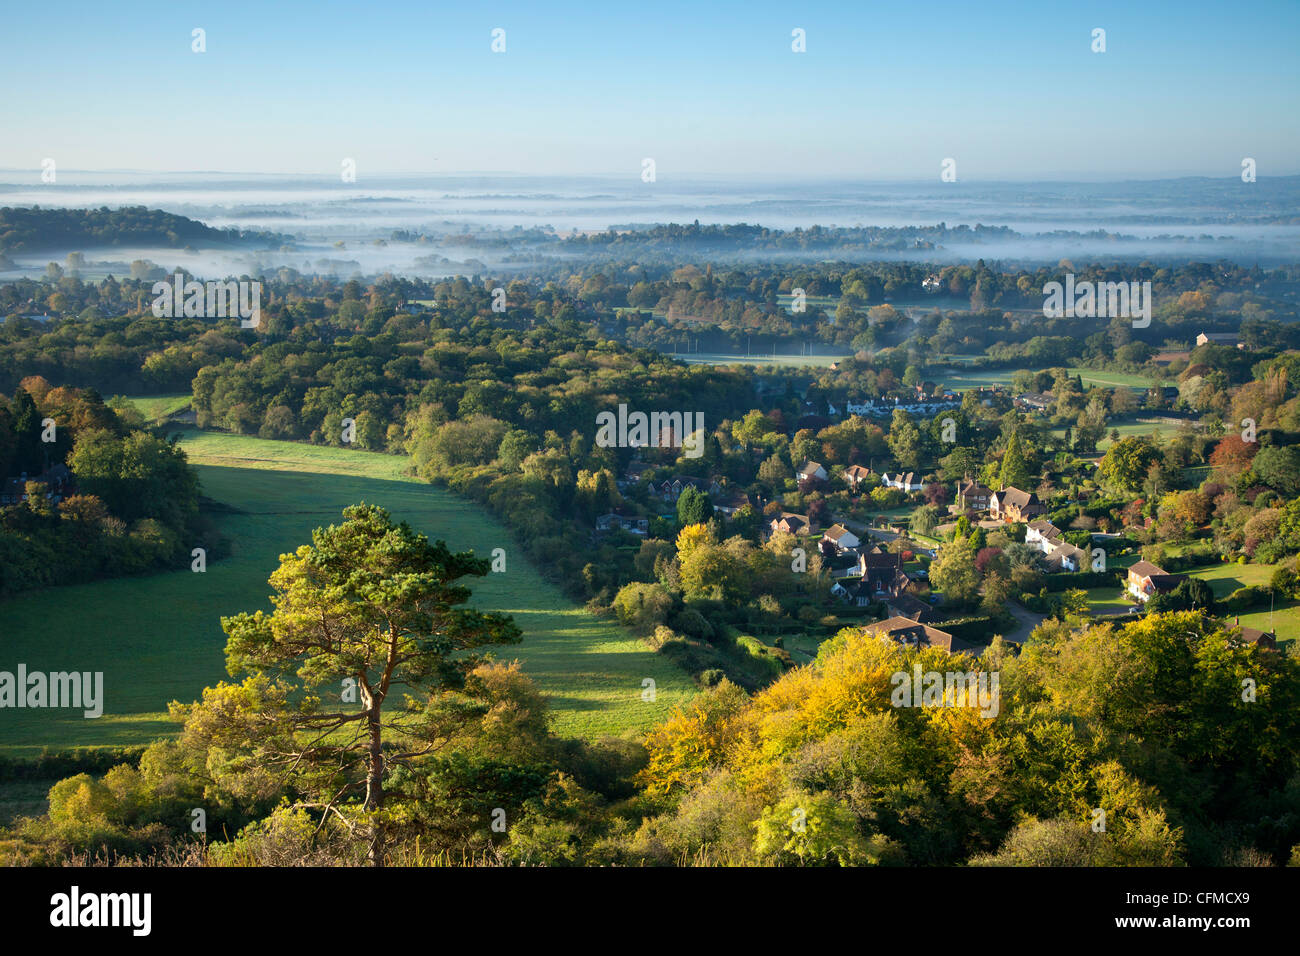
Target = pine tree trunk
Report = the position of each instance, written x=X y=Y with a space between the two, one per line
x=375 y=788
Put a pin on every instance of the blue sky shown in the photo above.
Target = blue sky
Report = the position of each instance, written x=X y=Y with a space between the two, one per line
x=885 y=90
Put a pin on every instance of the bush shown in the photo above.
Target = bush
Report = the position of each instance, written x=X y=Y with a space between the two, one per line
x=977 y=629
x=1244 y=599
x=692 y=623
x=643 y=606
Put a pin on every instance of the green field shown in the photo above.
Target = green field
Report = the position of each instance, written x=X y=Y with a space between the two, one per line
x=158 y=408
x=961 y=379
x=1162 y=430
x=1117 y=379
x=723 y=358
x=1226 y=578
x=158 y=637
x=1284 y=619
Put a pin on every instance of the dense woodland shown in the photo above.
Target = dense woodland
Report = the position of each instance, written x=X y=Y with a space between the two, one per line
x=103 y=497
x=33 y=229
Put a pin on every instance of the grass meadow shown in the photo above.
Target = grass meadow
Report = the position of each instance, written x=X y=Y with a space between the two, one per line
x=158 y=637
x=158 y=408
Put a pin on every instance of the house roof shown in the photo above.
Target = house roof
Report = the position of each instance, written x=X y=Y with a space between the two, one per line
x=1144 y=569
x=857 y=471
x=1255 y=635
x=809 y=467
x=1167 y=582
x=793 y=520
x=1014 y=496
x=907 y=631
x=837 y=531
x=1066 y=550
x=911 y=606
x=1045 y=528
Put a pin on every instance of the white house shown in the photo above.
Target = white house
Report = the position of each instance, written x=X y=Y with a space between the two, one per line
x=855 y=475
x=1063 y=556
x=1060 y=555
x=809 y=470
x=1219 y=338
x=841 y=537
x=903 y=482
x=1041 y=532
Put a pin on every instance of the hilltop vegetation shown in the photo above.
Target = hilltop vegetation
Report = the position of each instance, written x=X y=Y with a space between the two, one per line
x=1159 y=742
x=33 y=229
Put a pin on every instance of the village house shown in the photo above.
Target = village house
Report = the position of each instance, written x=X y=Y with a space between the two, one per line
x=1146 y=579
x=789 y=524
x=636 y=470
x=1034 y=401
x=855 y=592
x=841 y=537
x=1063 y=556
x=910 y=606
x=1254 y=635
x=57 y=480
x=903 y=482
x=670 y=489
x=883 y=572
x=731 y=502
x=841 y=565
x=972 y=496
x=1220 y=338
x=810 y=470
x=614 y=522
x=1011 y=505
x=880 y=577
x=1040 y=532
x=1059 y=554
x=904 y=630
x=855 y=475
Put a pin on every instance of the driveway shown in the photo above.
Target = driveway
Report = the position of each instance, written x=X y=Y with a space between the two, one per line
x=1026 y=621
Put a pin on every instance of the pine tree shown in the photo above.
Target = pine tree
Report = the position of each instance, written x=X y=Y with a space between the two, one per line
x=1015 y=466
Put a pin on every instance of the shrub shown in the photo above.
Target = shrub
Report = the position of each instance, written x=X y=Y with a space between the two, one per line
x=1243 y=599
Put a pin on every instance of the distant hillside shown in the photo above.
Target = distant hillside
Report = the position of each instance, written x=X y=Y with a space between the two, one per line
x=33 y=229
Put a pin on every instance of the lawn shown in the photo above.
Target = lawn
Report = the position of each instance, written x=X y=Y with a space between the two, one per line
x=158 y=637
x=1226 y=578
x=1107 y=600
x=1284 y=618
